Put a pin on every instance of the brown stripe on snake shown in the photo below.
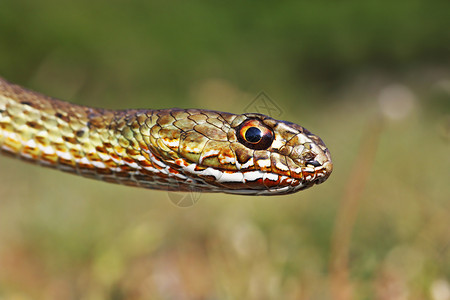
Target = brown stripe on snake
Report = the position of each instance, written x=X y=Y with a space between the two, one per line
x=166 y=149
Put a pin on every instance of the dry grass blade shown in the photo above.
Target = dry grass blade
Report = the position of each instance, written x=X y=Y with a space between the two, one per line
x=341 y=287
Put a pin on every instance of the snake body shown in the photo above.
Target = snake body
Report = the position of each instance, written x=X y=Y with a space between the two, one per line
x=167 y=149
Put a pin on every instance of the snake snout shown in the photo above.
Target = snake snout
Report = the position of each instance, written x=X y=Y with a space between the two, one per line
x=323 y=165
x=316 y=157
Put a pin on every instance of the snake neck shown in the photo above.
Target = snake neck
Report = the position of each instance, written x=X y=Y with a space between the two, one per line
x=114 y=146
x=61 y=135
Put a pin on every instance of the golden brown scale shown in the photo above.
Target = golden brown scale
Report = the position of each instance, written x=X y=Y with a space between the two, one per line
x=58 y=134
x=173 y=149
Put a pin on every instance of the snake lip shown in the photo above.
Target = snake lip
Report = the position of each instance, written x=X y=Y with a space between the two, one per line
x=323 y=172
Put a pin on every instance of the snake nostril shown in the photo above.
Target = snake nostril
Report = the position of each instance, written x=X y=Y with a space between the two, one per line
x=313 y=162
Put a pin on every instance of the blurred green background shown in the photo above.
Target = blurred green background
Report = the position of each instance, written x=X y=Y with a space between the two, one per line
x=372 y=78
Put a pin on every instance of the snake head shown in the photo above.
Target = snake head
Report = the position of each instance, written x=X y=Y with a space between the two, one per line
x=250 y=154
x=283 y=156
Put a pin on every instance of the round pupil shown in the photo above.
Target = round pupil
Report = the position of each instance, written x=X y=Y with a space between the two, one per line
x=253 y=135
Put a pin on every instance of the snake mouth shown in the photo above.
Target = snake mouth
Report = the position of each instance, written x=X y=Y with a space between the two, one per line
x=323 y=172
x=256 y=182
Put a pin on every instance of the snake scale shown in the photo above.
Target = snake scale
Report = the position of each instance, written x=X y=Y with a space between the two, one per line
x=166 y=149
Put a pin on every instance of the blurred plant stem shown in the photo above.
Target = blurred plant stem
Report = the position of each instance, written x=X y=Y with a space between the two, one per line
x=341 y=287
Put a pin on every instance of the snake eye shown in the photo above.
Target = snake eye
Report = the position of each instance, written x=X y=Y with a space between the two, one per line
x=254 y=134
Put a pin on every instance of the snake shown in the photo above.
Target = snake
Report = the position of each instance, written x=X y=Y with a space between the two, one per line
x=164 y=149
